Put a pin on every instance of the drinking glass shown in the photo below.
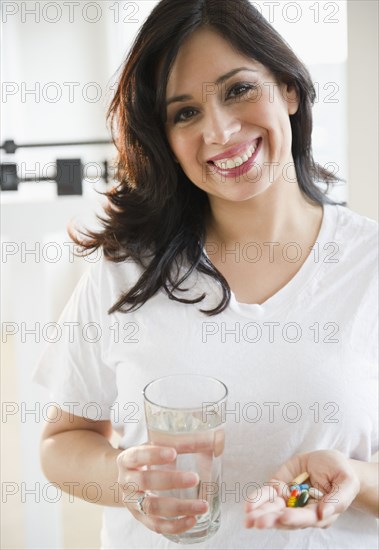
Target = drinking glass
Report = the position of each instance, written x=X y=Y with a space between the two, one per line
x=187 y=412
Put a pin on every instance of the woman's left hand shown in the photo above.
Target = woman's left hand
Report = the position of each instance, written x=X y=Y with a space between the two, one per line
x=329 y=471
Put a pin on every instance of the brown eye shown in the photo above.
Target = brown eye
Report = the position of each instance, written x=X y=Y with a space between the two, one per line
x=240 y=89
x=184 y=115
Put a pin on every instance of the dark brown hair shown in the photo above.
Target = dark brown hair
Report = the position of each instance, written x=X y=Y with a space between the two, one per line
x=155 y=215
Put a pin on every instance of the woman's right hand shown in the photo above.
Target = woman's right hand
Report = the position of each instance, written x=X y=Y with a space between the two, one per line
x=135 y=478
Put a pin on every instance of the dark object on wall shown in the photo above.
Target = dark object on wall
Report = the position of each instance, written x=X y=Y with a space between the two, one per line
x=10 y=146
x=9 y=179
x=69 y=176
x=69 y=171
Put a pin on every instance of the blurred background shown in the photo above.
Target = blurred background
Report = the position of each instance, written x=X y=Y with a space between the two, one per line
x=60 y=63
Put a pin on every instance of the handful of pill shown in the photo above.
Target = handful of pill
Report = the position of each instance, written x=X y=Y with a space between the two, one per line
x=301 y=492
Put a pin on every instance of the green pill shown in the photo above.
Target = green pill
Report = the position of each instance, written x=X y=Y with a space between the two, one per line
x=302 y=499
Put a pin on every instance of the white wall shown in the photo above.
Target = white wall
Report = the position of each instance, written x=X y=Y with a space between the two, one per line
x=66 y=59
x=363 y=106
x=54 y=81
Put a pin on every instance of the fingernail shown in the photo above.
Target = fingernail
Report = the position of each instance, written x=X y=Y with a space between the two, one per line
x=168 y=453
x=190 y=478
x=328 y=511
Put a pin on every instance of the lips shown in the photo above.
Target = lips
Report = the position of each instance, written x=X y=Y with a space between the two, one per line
x=234 y=152
x=242 y=158
x=237 y=170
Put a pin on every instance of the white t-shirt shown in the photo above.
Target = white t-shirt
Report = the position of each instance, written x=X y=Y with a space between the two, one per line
x=301 y=370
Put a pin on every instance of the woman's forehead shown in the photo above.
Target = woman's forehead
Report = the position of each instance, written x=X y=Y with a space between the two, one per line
x=204 y=57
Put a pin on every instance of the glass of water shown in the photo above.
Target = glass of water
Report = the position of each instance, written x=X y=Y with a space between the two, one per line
x=187 y=412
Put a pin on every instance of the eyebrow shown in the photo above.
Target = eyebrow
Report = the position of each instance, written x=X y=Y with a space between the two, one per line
x=219 y=81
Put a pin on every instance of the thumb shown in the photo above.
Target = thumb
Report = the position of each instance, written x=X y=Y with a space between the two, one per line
x=342 y=493
x=288 y=471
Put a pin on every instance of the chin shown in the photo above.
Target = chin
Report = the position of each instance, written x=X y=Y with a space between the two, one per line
x=240 y=192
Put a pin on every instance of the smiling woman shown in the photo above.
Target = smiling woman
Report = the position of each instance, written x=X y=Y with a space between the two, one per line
x=219 y=216
x=156 y=124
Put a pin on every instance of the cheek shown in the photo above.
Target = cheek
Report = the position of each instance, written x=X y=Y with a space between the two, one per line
x=267 y=112
x=183 y=147
x=170 y=140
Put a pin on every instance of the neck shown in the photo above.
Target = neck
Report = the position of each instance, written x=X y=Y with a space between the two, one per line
x=280 y=214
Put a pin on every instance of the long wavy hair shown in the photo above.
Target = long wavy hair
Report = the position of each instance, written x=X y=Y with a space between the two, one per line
x=156 y=213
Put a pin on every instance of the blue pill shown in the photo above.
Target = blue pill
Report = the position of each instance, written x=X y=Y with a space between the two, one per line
x=304 y=486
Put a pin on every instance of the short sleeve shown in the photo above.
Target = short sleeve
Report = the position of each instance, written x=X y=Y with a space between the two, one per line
x=73 y=367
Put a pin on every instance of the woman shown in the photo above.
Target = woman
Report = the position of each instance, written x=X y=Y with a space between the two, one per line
x=222 y=256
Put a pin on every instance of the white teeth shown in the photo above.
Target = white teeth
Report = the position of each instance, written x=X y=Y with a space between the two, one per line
x=225 y=164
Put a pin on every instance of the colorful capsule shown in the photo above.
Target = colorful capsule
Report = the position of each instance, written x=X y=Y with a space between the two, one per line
x=302 y=499
x=300 y=478
x=291 y=502
x=315 y=493
x=301 y=492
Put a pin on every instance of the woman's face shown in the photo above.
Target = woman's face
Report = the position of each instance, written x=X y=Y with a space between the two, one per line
x=229 y=125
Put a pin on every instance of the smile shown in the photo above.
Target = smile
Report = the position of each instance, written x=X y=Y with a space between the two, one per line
x=240 y=160
x=236 y=166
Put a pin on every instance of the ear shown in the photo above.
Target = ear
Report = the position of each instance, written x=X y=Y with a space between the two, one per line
x=291 y=96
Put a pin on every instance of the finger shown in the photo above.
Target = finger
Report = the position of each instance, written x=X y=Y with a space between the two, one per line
x=324 y=524
x=284 y=522
x=268 y=493
x=255 y=501
x=299 y=517
x=288 y=471
x=269 y=508
x=219 y=442
x=157 y=480
x=168 y=527
x=201 y=441
x=281 y=488
x=166 y=507
x=339 y=498
x=267 y=521
x=146 y=455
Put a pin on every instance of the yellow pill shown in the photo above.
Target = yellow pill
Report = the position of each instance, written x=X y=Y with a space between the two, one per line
x=291 y=502
x=300 y=478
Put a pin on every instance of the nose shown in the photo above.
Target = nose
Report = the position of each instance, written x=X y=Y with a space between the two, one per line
x=219 y=127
